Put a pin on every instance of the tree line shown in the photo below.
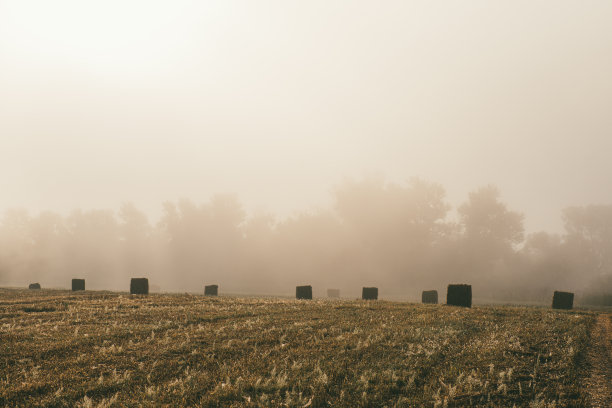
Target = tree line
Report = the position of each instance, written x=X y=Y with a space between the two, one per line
x=399 y=237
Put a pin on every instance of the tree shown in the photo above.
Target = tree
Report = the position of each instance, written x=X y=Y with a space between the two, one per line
x=136 y=248
x=379 y=210
x=489 y=227
x=397 y=226
x=15 y=246
x=91 y=248
x=203 y=239
x=545 y=263
x=589 y=241
x=490 y=234
x=312 y=247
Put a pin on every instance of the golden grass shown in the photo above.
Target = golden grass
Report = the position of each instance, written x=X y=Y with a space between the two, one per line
x=61 y=349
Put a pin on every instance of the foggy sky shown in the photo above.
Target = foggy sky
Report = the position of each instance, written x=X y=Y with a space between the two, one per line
x=276 y=101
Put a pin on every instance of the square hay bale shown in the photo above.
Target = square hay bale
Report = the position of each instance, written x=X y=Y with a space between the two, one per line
x=34 y=286
x=369 y=294
x=333 y=293
x=563 y=300
x=78 y=284
x=303 y=292
x=139 y=286
x=211 y=290
x=429 y=296
x=459 y=295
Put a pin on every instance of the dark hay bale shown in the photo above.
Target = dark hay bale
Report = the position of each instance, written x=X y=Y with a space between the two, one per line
x=333 y=293
x=369 y=293
x=78 y=284
x=303 y=292
x=429 y=296
x=563 y=300
x=139 y=286
x=34 y=286
x=211 y=290
x=459 y=295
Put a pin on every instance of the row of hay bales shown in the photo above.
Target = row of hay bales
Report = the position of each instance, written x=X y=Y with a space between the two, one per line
x=461 y=295
x=138 y=286
x=456 y=294
x=305 y=292
x=77 y=284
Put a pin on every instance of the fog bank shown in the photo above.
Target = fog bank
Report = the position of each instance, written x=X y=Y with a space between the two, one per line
x=397 y=237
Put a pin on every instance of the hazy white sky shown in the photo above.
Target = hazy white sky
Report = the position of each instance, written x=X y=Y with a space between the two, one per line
x=103 y=102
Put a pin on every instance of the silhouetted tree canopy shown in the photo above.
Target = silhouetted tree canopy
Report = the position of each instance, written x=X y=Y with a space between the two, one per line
x=489 y=225
x=589 y=242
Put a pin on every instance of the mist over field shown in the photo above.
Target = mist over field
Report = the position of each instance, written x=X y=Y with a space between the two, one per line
x=398 y=238
x=263 y=145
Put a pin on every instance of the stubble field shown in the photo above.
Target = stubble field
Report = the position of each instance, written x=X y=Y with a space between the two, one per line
x=101 y=349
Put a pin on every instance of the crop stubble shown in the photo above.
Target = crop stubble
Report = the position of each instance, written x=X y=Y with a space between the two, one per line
x=105 y=349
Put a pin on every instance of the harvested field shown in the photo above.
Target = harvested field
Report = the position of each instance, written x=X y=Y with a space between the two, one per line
x=112 y=349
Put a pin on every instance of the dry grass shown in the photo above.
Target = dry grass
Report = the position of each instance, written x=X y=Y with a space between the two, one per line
x=98 y=349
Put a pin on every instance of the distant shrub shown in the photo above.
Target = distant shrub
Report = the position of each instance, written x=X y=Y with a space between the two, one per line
x=78 y=284
x=34 y=286
x=429 y=296
x=563 y=300
x=211 y=290
x=139 y=286
x=369 y=293
x=333 y=293
x=303 y=292
x=459 y=295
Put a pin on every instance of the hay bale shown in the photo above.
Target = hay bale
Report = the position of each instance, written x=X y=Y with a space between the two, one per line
x=211 y=290
x=303 y=292
x=333 y=293
x=369 y=294
x=459 y=295
x=430 y=296
x=563 y=300
x=139 y=286
x=78 y=284
x=34 y=286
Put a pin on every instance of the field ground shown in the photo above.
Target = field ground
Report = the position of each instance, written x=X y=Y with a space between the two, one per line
x=63 y=349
